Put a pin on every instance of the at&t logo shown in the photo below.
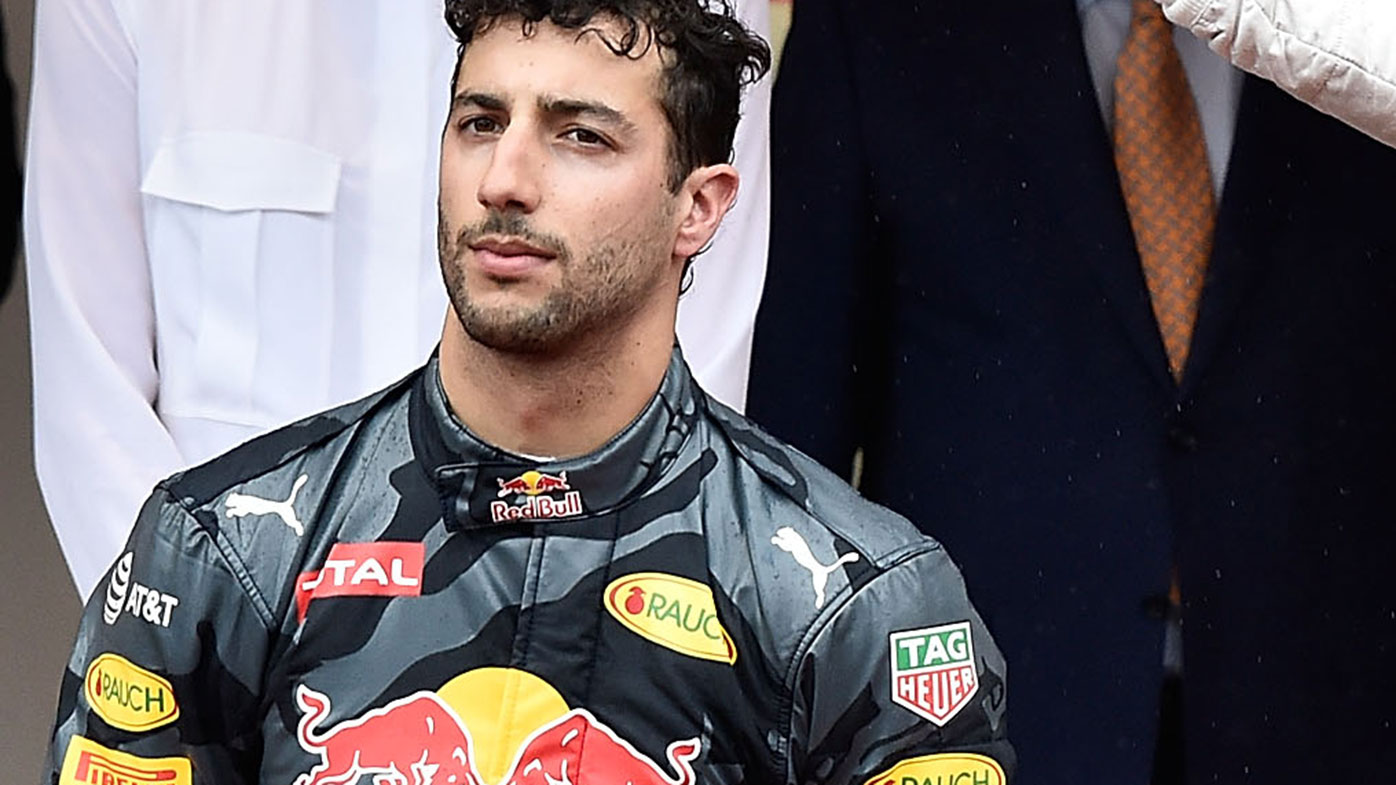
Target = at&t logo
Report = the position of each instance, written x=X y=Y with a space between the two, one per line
x=143 y=602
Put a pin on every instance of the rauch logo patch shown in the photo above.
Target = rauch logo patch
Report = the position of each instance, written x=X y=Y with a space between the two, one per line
x=947 y=768
x=933 y=670
x=676 y=613
x=89 y=763
x=128 y=696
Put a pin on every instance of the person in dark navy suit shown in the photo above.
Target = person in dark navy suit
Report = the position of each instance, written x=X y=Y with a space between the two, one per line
x=955 y=295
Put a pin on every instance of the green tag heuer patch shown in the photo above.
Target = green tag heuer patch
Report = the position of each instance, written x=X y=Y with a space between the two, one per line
x=933 y=670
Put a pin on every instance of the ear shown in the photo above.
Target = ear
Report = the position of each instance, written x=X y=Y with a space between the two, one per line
x=711 y=191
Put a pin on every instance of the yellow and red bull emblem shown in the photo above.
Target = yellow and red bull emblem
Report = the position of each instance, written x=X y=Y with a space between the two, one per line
x=128 y=696
x=535 y=487
x=676 y=613
x=89 y=763
x=459 y=736
x=946 y=768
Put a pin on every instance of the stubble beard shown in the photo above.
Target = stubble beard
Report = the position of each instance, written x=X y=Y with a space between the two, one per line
x=593 y=296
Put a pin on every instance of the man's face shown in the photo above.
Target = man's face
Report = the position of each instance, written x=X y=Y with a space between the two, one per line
x=555 y=220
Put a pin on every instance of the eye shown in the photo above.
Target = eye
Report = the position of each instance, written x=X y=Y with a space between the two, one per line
x=586 y=137
x=479 y=124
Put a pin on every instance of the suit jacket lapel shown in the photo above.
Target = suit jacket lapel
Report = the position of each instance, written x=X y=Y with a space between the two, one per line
x=1086 y=186
x=1249 y=221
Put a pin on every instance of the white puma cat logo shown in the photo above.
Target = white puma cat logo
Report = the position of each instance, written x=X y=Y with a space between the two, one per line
x=791 y=542
x=241 y=504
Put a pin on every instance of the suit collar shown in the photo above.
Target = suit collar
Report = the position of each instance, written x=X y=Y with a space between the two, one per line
x=481 y=485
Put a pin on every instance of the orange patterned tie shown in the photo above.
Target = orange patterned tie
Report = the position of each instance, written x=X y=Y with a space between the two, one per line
x=1161 y=156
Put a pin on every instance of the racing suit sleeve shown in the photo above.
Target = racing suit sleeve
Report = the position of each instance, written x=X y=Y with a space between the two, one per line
x=163 y=681
x=92 y=313
x=1339 y=56
x=903 y=681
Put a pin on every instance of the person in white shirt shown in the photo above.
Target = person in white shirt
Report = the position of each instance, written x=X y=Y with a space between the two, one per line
x=230 y=221
x=1337 y=55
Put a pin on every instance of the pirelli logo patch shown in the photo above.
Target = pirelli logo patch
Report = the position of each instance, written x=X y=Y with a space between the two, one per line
x=128 y=696
x=946 y=768
x=89 y=763
x=933 y=671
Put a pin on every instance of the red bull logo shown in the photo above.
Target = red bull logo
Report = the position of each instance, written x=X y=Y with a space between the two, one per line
x=417 y=739
x=532 y=485
x=422 y=739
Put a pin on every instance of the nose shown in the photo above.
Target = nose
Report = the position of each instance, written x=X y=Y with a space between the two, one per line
x=512 y=178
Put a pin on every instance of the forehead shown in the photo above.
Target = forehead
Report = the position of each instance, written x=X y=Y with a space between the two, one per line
x=554 y=61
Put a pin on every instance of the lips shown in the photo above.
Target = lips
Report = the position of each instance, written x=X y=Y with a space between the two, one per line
x=508 y=257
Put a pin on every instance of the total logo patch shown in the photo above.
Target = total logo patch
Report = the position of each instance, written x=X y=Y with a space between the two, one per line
x=535 y=487
x=947 y=768
x=676 y=613
x=125 y=595
x=933 y=671
x=89 y=763
x=364 y=569
x=128 y=696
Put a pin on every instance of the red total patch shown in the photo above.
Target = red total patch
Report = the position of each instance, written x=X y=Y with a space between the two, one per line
x=364 y=569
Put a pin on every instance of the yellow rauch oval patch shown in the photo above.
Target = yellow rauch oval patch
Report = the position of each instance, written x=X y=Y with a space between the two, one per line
x=946 y=768
x=676 y=613
x=128 y=696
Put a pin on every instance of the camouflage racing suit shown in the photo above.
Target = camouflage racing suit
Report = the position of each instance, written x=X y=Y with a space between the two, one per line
x=374 y=595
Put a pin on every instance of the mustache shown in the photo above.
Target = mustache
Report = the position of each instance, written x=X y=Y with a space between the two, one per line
x=511 y=224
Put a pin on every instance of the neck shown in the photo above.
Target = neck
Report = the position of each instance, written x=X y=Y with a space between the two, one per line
x=554 y=406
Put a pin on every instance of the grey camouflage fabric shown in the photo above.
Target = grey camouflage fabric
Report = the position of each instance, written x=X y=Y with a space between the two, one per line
x=374 y=595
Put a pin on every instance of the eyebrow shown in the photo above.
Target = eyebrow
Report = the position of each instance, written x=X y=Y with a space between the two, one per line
x=571 y=107
x=483 y=100
x=551 y=105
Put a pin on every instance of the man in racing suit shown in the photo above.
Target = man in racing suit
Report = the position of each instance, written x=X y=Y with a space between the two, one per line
x=400 y=591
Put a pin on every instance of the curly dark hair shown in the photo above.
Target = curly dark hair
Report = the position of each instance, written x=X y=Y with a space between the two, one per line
x=709 y=56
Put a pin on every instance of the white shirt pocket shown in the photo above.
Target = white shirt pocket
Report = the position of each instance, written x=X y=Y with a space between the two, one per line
x=240 y=234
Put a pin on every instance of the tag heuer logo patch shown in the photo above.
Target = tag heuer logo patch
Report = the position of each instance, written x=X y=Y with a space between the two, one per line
x=933 y=670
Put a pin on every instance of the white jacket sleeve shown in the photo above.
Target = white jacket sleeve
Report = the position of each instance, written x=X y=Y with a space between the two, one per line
x=1337 y=55
x=99 y=445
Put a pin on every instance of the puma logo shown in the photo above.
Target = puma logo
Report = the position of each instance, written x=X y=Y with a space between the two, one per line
x=790 y=541
x=240 y=504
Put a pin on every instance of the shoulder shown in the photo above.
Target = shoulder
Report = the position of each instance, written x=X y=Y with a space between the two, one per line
x=808 y=540
x=803 y=490
x=267 y=455
x=262 y=504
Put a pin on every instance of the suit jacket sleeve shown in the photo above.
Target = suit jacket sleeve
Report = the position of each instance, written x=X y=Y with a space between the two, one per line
x=164 y=678
x=808 y=361
x=903 y=684
x=99 y=446
x=1337 y=55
